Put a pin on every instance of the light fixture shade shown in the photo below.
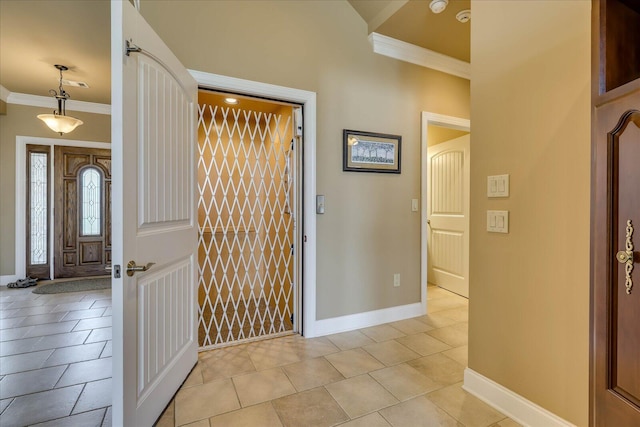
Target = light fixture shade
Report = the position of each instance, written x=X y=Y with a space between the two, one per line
x=60 y=124
x=438 y=6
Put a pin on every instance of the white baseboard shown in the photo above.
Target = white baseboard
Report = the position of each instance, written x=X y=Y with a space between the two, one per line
x=509 y=403
x=7 y=279
x=350 y=322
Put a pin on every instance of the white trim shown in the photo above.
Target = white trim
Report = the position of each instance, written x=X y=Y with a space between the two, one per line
x=4 y=280
x=4 y=93
x=509 y=403
x=49 y=102
x=308 y=100
x=433 y=119
x=350 y=322
x=20 y=242
x=408 y=52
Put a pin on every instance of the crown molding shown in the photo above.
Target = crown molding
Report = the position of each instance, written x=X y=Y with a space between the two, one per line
x=408 y=52
x=49 y=102
x=4 y=93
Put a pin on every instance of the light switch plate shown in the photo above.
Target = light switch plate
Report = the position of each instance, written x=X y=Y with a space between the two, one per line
x=414 y=205
x=320 y=204
x=498 y=186
x=498 y=221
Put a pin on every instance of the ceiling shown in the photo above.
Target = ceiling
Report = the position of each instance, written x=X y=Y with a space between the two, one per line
x=35 y=35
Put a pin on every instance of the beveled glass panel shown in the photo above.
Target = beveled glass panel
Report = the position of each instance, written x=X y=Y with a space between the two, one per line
x=38 y=208
x=90 y=214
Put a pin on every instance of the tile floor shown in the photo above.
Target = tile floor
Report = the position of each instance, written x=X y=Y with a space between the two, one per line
x=401 y=374
x=55 y=355
x=55 y=358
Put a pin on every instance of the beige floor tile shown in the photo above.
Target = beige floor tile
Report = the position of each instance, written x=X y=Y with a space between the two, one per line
x=435 y=292
x=262 y=415
x=418 y=412
x=205 y=401
x=360 y=395
x=404 y=382
x=313 y=408
x=261 y=386
x=225 y=363
x=439 y=368
x=382 y=333
x=168 y=417
x=460 y=314
x=507 y=422
x=467 y=409
x=371 y=420
x=194 y=378
x=349 y=340
x=390 y=352
x=446 y=303
x=201 y=423
x=454 y=335
x=272 y=353
x=423 y=344
x=313 y=347
x=459 y=354
x=312 y=373
x=354 y=362
x=436 y=320
x=411 y=326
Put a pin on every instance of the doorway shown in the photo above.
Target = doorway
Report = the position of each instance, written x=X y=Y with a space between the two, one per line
x=445 y=202
x=41 y=251
x=248 y=174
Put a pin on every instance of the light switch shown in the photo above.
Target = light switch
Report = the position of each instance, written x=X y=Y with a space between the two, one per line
x=498 y=221
x=320 y=204
x=414 y=205
x=498 y=186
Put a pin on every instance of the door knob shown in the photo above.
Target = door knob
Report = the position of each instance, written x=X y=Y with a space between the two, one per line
x=626 y=257
x=132 y=267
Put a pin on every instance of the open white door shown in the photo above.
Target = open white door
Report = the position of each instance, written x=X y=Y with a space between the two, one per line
x=448 y=175
x=153 y=122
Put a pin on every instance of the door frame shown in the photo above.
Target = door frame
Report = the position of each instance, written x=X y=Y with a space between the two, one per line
x=306 y=290
x=431 y=119
x=21 y=188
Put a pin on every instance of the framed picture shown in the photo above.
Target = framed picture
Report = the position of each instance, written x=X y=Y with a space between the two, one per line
x=371 y=152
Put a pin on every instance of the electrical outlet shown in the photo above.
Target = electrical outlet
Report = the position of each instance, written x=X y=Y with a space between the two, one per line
x=396 y=280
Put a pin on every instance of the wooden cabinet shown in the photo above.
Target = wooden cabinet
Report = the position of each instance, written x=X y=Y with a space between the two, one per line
x=615 y=220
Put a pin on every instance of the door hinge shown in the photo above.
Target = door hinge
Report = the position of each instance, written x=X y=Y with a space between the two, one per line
x=292 y=144
x=292 y=319
x=291 y=249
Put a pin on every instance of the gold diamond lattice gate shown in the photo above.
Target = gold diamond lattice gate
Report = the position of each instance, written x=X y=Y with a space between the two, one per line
x=245 y=181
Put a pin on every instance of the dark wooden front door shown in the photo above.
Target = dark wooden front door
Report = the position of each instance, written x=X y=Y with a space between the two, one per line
x=616 y=290
x=82 y=211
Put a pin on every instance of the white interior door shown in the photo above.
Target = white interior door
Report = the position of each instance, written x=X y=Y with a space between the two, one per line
x=448 y=215
x=153 y=117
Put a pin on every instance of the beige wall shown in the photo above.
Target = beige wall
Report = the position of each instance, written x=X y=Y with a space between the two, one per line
x=529 y=289
x=368 y=232
x=438 y=134
x=21 y=120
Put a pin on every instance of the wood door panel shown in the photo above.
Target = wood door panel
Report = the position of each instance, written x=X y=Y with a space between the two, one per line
x=616 y=313
x=77 y=254
x=624 y=145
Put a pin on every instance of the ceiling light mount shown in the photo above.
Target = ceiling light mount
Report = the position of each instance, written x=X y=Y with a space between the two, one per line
x=438 y=6
x=464 y=16
x=59 y=121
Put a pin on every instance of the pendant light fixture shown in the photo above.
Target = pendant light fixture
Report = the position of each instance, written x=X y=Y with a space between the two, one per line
x=59 y=121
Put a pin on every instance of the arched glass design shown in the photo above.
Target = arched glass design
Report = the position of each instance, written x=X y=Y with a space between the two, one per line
x=91 y=202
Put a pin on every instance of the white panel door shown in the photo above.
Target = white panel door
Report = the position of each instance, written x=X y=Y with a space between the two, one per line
x=448 y=215
x=154 y=107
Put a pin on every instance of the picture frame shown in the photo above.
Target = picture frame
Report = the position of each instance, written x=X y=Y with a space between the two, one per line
x=371 y=152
